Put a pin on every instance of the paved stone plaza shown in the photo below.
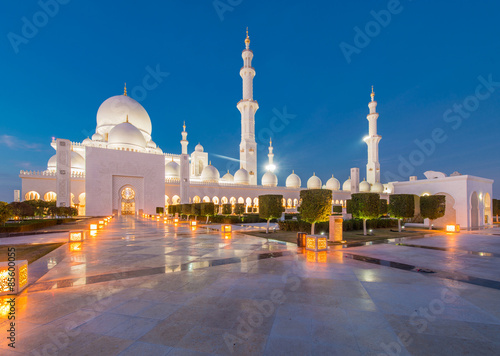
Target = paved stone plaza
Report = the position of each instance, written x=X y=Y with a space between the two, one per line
x=143 y=288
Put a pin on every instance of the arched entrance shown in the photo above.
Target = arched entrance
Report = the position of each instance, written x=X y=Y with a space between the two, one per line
x=487 y=209
x=127 y=196
x=474 y=210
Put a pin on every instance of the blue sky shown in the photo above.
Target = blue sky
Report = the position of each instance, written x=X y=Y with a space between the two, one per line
x=426 y=59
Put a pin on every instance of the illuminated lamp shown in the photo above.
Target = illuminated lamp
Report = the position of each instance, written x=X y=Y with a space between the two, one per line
x=75 y=246
x=93 y=233
x=76 y=236
x=193 y=222
x=176 y=220
x=225 y=228
x=452 y=228
x=227 y=236
x=93 y=226
x=193 y=228
x=13 y=277
x=316 y=243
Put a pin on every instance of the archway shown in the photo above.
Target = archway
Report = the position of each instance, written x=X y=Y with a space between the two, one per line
x=487 y=209
x=32 y=195
x=50 y=196
x=206 y=199
x=196 y=200
x=450 y=214
x=474 y=210
x=127 y=196
x=176 y=200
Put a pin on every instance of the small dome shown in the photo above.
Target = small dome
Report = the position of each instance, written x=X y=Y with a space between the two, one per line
x=333 y=184
x=364 y=186
x=241 y=176
x=172 y=170
x=210 y=174
x=378 y=188
x=293 y=181
x=114 y=111
x=87 y=141
x=269 y=179
x=77 y=162
x=97 y=137
x=158 y=150
x=198 y=148
x=314 y=182
x=126 y=135
x=151 y=144
x=347 y=185
x=52 y=164
x=228 y=178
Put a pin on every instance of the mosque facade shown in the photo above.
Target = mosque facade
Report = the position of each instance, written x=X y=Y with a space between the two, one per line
x=121 y=170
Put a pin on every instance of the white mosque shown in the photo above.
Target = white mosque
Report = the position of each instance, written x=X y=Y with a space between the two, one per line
x=121 y=170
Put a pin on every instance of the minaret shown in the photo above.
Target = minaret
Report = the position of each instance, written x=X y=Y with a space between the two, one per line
x=373 y=166
x=248 y=107
x=184 y=168
x=270 y=166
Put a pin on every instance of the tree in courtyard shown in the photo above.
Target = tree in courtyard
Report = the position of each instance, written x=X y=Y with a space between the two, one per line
x=196 y=209
x=432 y=207
x=239 y=209
x=365 y=206
x=316 y=206
x=496 y=208
x=226 y=209
x=270 y=207
x=402 y=206
x=186 y=210
x=22 y=209
x=207 y=210
x=383 y=207
x=5 y=212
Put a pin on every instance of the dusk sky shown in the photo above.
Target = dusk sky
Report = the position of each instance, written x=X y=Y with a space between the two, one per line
x=435 y=68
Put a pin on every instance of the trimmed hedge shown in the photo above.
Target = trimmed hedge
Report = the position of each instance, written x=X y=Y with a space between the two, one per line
x=34 y=226
x=348 y=225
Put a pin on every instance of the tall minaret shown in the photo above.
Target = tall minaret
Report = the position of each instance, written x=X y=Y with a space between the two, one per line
x=248 y=107
x=270 y=166
x=184 y=168
x=373 y=166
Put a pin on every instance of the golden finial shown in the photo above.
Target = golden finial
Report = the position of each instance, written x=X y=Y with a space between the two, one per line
x=270 y=141
x=372 y=94
x=125 y=90
x=247 y=40
x=127 y=118
x=209 y=163
x=184 y=125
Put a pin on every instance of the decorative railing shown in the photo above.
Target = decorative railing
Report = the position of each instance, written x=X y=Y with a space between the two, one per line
x=48 y=174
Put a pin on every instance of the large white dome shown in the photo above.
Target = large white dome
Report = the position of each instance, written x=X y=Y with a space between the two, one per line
x=241 y=176
x=293 y=181
x=126 y=135
x=172 y=170
x=314 y=182
x=77 y=163
x=210 y=174
x=333 y=184
x=364 y=186
x=269 y=179
x=114 y=111
x=198 y=148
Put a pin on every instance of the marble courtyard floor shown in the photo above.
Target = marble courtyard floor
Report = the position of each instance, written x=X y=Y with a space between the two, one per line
x=143 y=288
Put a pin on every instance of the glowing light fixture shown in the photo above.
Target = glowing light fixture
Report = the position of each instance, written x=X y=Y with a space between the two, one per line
x=193 y=222
x=75 y=246
x=93 y=226
x=76 y=236
x=316 y=243
x=225 y=228
x=13 y=276
x=452 y=228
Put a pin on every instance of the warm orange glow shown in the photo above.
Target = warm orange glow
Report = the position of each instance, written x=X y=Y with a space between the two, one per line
x=93 y=226
x=176 y=220
x=4 y=280
x=193 y=223
x=93 y=233
x=226 y=228
x=4 y=308
x=316 y=243
x=322 y=244
x=453 y=228
x=310 y=243
x=76 y=236
x=75 y=246
x=101 y=222
x=312 y=256
x=23 y=275
x=193 y=228
x=227 y=236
